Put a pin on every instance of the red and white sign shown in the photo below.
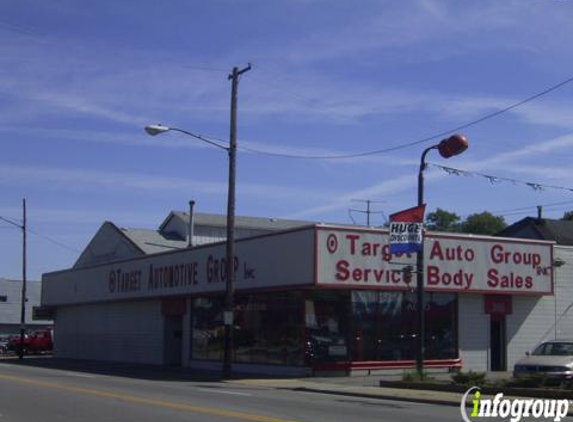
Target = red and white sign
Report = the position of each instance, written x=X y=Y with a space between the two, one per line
x=406 y=230
x=458 y=264
x=497 y=305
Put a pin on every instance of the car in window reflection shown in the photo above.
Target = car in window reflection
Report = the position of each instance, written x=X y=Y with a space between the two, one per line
x=4 y=343
x=325 y=345
x=551 y=358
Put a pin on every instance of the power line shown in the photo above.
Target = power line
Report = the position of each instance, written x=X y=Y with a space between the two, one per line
x=10 y=221
x=49 y=239
x=55 y=242
x=419 y=141
x=407 y=144
x=535 y=206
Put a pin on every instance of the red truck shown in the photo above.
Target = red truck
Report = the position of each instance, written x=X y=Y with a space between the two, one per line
x=39 y=341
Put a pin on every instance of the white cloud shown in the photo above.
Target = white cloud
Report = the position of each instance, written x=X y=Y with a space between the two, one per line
x=66 y=179
x=501 y=161
x=381 y=189
x=408 y=182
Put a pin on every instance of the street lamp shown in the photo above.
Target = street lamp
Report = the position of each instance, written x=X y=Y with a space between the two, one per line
x=229 y=312
x=454 y=145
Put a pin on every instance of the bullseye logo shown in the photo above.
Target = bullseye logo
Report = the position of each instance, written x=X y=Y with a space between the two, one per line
x=332 y=243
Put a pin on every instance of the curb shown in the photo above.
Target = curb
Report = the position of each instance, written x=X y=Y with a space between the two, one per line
x=394 y=398
x=378 y=396
x=536 y=393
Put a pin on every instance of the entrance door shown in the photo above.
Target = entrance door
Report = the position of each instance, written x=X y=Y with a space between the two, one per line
x=498 y=351
x=173 y=340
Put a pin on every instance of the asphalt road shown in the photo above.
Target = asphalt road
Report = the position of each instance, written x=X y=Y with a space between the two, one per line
x=29 y=394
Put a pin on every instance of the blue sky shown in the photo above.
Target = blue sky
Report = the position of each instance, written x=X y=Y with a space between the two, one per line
x=79 y=80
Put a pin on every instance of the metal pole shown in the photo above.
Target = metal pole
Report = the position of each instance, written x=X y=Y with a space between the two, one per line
x=191 y=228
x=420 y=273
x=555 y=298
x=230 y=254
x=23 y=300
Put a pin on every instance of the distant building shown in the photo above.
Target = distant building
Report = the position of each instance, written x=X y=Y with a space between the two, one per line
x=558 y=231
x=11 y=302
x=112 y=243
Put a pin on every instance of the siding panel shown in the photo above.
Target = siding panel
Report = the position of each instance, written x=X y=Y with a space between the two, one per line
x=120 y=332
x=473 y=333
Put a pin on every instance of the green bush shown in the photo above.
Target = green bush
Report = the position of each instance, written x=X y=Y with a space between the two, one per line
x=470 y=378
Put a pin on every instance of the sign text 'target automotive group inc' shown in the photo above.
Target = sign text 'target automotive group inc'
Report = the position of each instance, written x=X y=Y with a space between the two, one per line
x=462 y=264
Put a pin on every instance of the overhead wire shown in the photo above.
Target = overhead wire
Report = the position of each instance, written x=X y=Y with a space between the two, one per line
x=55 y=242
x=535 y=206
x=400 y=146
x=419 y=141
x=49 y=239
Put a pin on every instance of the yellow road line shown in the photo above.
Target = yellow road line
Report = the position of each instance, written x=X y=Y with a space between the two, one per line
x=143 y=400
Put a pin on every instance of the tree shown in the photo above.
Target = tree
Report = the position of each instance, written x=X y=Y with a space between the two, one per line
x=442 y=220
x=567 y=215
x=483 y=223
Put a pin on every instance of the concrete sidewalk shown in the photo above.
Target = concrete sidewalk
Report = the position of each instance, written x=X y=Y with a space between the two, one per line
x=367 y=387
x=356 y=390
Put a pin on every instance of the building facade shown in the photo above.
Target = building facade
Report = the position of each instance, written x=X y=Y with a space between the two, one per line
x=11 y=306
x=314 y=298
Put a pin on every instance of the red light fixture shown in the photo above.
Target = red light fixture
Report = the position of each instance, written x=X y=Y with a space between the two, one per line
x=454 y=145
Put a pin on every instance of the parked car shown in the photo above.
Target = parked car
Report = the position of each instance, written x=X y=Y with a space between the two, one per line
x=552 y=358
x=36 y=342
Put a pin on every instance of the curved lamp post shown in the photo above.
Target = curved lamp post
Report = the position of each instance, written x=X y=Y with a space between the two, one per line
x=154 y=130
x=230 y=250
x=454 y=145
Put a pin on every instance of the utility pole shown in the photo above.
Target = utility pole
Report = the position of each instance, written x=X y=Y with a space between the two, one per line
x=23 y=301
x=191 y=226
x=230 y=254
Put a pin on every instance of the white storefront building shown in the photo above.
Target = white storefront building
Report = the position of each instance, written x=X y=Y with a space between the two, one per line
x=319 y=297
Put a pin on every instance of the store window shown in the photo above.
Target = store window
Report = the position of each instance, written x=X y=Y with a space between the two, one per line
x=441 y=326
x=207 y=329
x=327 y=320
x=268 y=329
x=288 y=328
x=384 y=326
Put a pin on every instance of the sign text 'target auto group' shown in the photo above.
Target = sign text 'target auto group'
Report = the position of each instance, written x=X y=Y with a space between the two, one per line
x=462 y=264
